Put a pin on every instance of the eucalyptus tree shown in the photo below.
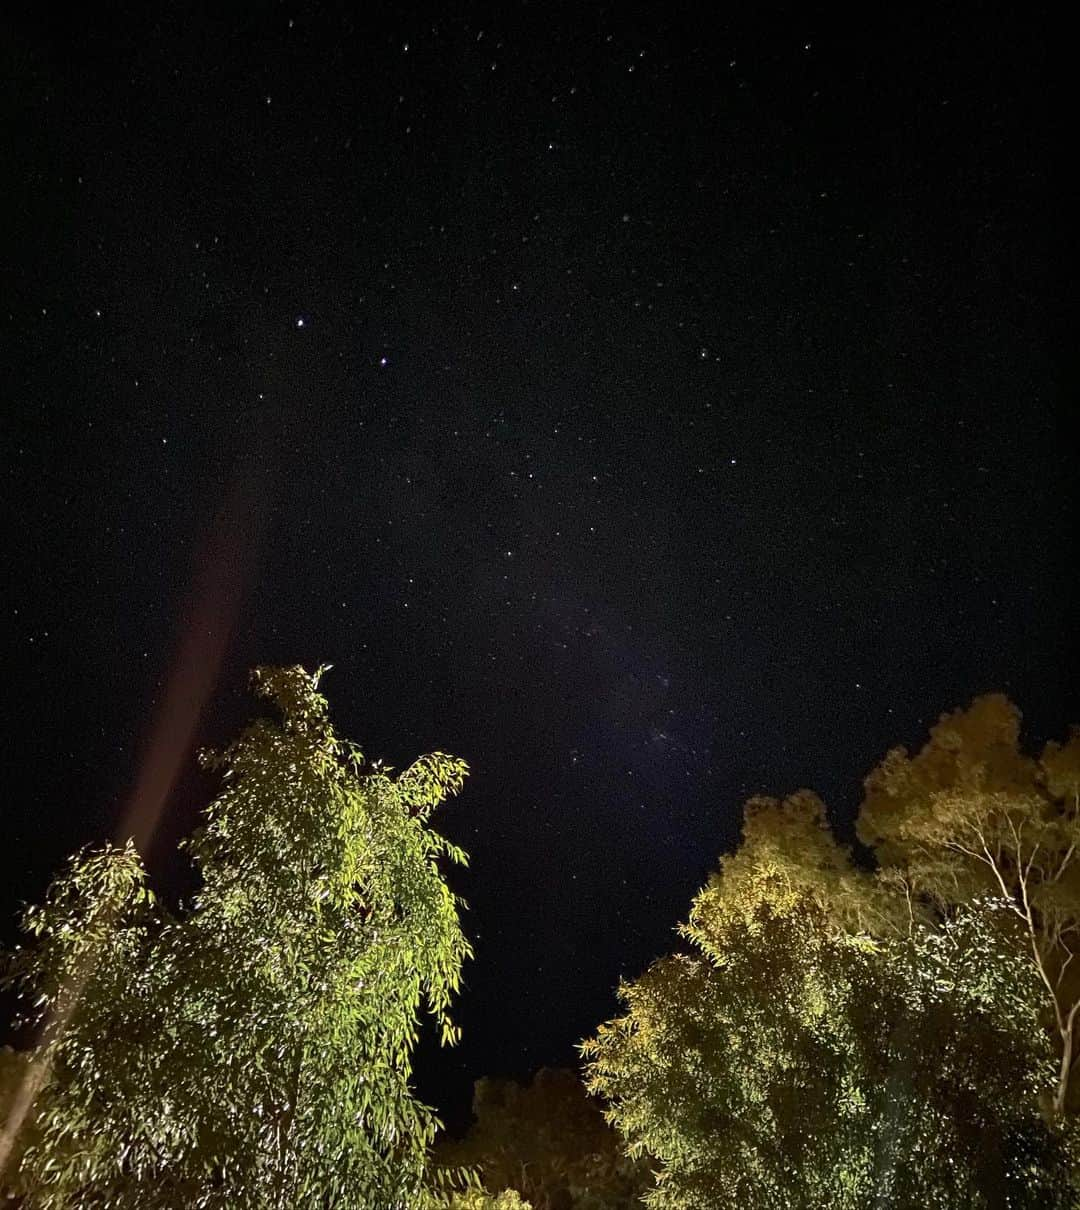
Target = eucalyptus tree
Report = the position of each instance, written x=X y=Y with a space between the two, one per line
x=792 y=1059
x=254 y=1048
x=971 y=815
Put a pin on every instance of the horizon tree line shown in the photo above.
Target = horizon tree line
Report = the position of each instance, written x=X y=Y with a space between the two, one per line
x=832 y=1031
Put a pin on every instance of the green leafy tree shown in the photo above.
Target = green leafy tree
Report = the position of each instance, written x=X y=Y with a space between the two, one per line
x=253 y=1051
x=969 y=815
x=548 y=1141
x=790 y=858
x=790 y=1060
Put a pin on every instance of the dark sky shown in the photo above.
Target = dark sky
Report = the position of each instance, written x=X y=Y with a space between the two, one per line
x=650 y=411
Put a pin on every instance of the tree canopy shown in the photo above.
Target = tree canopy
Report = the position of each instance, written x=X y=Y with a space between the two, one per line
x=836 y=1031
x=793 y=1059
x=970 y=814
x=254 y=1049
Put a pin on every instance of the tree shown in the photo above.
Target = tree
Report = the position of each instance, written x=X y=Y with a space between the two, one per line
x=253 y=1050
x=791 y=1060
x=548 y=1141
x=971 y=815
x=790 y=858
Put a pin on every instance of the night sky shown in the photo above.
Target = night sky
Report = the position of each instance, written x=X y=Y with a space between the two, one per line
x=652 y=412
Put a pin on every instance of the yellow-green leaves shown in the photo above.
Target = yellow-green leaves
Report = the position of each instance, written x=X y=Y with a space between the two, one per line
x=256 y=1052
x=846 y=1038
x=971 y=815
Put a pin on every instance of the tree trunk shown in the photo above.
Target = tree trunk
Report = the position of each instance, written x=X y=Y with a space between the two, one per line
x=1061 y=1093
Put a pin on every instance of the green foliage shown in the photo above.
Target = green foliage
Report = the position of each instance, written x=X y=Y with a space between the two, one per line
x=472 y=1196
x=789 y=857
x=477 y=1199
x=792 y=1061
x=548 y=1141
x=971 y=815
x=256 y=1050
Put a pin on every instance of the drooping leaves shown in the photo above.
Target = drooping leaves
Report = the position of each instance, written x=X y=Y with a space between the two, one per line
x=255 y=1050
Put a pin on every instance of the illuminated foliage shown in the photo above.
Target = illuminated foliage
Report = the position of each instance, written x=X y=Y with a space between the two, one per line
x=548 y=1141
x=792 y=1061
x=255 y=1051
x=477 y=1199
x=789 y=857
x=971 y=815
